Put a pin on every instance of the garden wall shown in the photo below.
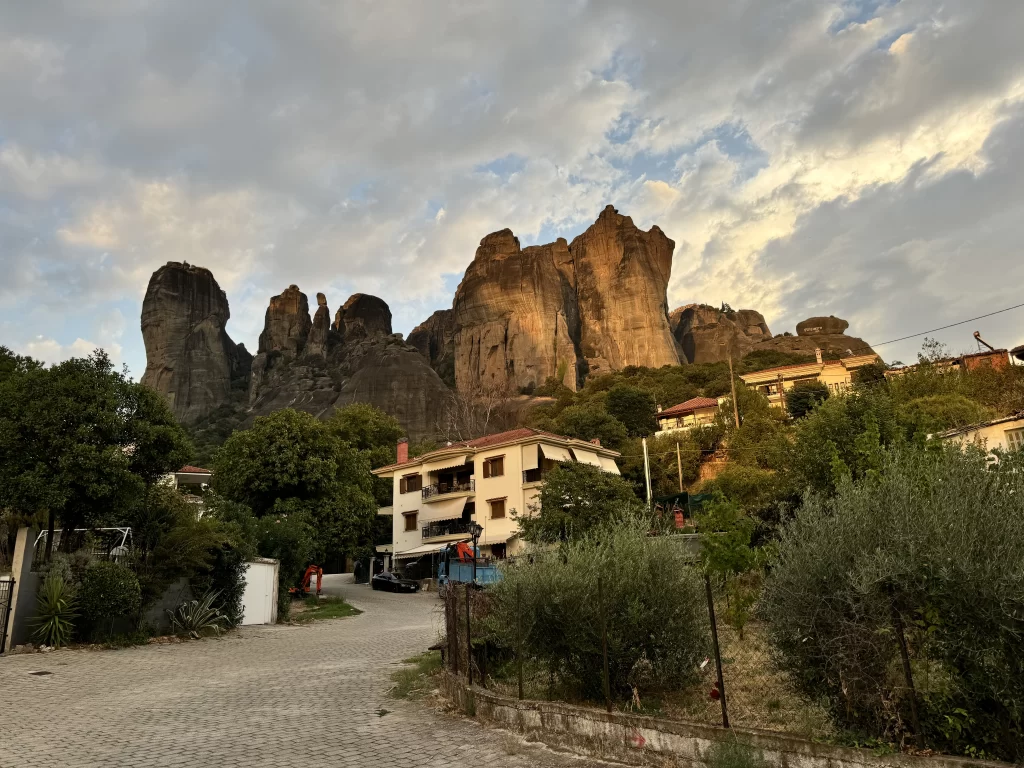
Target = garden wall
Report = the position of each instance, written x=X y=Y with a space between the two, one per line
x=640 y=740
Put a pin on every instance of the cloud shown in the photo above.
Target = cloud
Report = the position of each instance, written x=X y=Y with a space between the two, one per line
x=806 y=156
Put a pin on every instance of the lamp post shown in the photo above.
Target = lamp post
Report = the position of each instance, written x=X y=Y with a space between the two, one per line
x=475 y=529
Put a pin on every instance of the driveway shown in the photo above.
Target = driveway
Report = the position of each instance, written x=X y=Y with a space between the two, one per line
x=282 y=696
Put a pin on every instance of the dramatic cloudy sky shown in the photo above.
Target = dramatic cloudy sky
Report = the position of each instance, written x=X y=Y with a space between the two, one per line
x=863 y=158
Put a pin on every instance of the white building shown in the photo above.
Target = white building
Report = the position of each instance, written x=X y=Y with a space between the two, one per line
x=695 y=412
x=439 y=495
x=837 y=375
x=1005 y=434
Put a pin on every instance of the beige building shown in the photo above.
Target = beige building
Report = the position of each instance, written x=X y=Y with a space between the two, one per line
x=695 y=412
x=837 y=375
x=439 y=495
x=1005 y=434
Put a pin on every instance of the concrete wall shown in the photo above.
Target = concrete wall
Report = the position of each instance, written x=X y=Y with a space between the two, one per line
x=639 y=740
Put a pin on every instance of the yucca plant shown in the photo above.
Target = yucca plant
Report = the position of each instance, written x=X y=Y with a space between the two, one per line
x=56 y=612
x=194 y=617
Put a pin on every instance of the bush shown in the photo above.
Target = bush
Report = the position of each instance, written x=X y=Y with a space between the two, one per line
x=932 y=541
x=804 y=396
x=654 y=604
x=193 y=618
x=109 y=590
x=55 y=613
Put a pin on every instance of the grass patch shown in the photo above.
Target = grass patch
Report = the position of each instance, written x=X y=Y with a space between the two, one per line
x=319 y=608
x=415 y=680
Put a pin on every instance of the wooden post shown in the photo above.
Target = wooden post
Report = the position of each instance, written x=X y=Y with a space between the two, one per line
x=679 y=466
x=604 y=645
x=469 y=641
x=732 y=384
x=718 y=655
x=897 y=623
x=453 y=623
x=519 y=636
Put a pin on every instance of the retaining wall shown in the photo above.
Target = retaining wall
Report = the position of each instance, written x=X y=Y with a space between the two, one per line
x=640 y=740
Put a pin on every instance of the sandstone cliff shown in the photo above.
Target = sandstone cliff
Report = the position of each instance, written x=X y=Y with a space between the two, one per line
x=706 y=334
x=522 y=316
x=190 y=358
x=435 y=340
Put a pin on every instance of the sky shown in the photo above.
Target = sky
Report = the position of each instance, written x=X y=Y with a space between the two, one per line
x=862 y=158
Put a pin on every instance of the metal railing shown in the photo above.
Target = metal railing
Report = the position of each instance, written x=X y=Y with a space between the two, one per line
x=446 y=528
x=440 y=489
x=533 y=475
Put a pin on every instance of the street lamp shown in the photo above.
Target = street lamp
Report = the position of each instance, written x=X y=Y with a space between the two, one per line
x=475 y=530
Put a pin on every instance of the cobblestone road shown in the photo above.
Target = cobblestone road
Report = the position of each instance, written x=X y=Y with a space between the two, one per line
x=282 y=697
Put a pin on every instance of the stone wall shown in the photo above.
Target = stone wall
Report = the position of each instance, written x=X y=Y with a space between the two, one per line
x=639 y=740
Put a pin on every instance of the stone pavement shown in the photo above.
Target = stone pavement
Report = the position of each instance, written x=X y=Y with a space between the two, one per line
x=279 y=697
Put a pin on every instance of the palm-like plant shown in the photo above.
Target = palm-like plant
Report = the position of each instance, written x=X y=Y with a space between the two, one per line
x=56 y=612
x=193 y=617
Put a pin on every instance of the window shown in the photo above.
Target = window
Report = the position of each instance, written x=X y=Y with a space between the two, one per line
x=494 y=467
x=410 y=520
x=410 y=483
x=1015 y=439
x=497 y=508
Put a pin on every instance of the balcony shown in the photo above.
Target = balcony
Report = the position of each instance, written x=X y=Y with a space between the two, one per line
x=446 y=528
x=447 y=489
x=533 y=476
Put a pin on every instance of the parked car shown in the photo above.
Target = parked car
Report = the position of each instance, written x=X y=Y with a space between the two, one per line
x=390 y=583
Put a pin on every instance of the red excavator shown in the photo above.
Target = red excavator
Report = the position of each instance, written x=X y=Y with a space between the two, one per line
x=303 y=589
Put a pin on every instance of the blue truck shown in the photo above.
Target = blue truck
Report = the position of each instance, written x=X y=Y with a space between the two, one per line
x=456 y=567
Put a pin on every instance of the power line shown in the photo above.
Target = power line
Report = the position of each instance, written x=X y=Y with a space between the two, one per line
x=951 y=325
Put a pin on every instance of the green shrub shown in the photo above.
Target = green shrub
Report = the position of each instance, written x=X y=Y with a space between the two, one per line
x=193 y=618
x=109 y=590
x=654 y=605
x=804 y=397
x=932 y=539
x=732 y=754
x=55 y=613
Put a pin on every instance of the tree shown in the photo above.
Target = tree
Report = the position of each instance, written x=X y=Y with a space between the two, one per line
x=588 y=422
x=576 y=498
x=79 y=442
x=372 y=432
x=804 y=396
x=634 y=409
x=291 y=463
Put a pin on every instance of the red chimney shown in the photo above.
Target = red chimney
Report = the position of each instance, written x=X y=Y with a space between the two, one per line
x=596 y=441
x=403 y=450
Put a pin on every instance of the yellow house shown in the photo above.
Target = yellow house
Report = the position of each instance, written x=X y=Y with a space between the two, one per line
x=1005 y=434
x=837 y=375
x=439 y=495
x=695 y=412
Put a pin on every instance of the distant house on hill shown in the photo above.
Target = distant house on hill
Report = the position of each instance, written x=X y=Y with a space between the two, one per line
x=837 y=375
x=1004 y=434
x=997 y=359
x=695 y=412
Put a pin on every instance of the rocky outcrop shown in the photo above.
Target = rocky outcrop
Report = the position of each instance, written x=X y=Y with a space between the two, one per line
x=822 y=326
x=363 y=316
x=824 y=333
x=522 y=316
x=515 y=317
x=706 y=334
x=287 y=323
x=435 y=340
x=622 y=276
x=190 y=358
x=320 y=334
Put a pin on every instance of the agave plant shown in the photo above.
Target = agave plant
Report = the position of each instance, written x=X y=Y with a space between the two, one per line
x=56 y=612
x=194 y=617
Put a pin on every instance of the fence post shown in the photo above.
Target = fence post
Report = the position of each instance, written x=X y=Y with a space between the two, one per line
x=718 y=655
x=469 y=642
x=897 y=622
x=452 y=601
x=606 y=683
x=519 y=636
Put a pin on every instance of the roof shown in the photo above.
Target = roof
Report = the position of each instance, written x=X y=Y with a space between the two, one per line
x=499 y=438
x=857 y=359
x=1019 y=416
x=188 y=469
x=693 y=404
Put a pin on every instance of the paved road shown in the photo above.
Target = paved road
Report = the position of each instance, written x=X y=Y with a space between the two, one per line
x=282 y=697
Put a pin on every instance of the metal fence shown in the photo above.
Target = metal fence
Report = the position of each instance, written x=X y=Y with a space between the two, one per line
x=6 y=598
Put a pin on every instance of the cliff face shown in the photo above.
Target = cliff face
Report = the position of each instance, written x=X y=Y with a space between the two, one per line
x=825 y=333
x=190 y=358
x=434 y=338
x=562 y=311
x=706 y=334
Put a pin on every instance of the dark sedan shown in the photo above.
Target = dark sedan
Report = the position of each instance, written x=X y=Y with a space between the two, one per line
x=391 y=583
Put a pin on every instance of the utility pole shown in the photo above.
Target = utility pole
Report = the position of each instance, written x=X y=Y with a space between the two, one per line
x=732 y=383
x=679 y=466
x=647 y=472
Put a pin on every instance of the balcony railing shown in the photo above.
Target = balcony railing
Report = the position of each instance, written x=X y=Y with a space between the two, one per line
x=446 y=528
x=440 y=489
x=533 y=475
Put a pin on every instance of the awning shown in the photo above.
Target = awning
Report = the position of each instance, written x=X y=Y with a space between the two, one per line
x=450 y=463
x=609 y=465
x=425 y=549
x=530 y=457
x=445 y=509
x=586 y=457
x=555 y=453
x=496 y=538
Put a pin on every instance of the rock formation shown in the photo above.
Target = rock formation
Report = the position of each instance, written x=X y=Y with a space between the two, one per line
x=287 y=323
x=363 y=316
x=524 y=315
x=190 y=358
x=621 y=280
x=435 y=340
x=706 y=334
x=319 y=334
x=822 y=326
x=824 y=333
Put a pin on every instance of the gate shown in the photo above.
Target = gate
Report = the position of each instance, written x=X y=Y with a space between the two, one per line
x=6 y=597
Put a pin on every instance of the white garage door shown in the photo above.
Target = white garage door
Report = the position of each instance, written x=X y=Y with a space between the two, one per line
x=258 y=600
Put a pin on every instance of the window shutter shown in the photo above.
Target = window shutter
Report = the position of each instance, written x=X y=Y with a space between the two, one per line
x=499 y=466
x=487 y=468
x=402 y=485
